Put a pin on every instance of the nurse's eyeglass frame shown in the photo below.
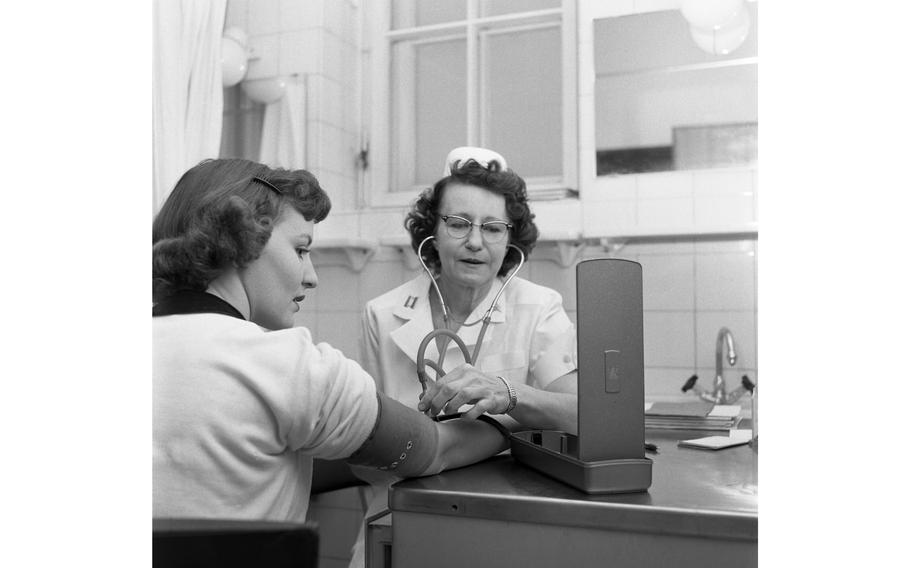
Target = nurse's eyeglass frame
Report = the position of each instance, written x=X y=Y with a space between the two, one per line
x=492 y=232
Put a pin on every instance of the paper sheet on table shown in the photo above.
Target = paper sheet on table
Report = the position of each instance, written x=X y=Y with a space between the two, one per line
x=725 y=410
x=735 y=438
x=698 y=408
x=694 y=409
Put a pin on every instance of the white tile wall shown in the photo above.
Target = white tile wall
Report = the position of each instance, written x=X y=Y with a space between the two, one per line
x=558 y=215
x=721 y=181
x=344 y=159
x=341 y=189
x=550 y=274
x=329 y=148
x=340 y=20
x=236 y=14
x=380 y=277
x=723 y=197
x=612 y=187
x=264 y=17
x=266 y=49
x=668 y=339
x=725 y=281
x=668 y=281
x=332 y=101
x=619 y=215
x=338 y=224
x=301 y=52
x=343 y=285
x=295 y=14
x=674 y=212
x=682 y=202
x=664 y=185
x=669 y=247
x=384 y=222
x=339 y=61
x=667 y=382
x=313 y=12
x=724 y=210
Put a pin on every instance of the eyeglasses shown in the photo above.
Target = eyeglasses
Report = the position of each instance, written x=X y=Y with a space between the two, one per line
x=491 y=231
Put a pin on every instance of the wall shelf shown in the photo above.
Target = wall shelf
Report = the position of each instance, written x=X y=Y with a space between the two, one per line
x=352 y=252
x=402 y=244
x=562 y=247
x=745 y=231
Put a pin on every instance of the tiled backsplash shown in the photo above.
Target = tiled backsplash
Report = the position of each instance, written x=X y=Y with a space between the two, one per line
x=692 y=288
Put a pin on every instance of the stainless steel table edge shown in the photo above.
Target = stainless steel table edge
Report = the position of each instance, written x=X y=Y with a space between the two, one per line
x=703 y=523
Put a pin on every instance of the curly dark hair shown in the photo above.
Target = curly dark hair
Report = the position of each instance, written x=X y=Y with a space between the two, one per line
x=221 y=213
x=423 y=218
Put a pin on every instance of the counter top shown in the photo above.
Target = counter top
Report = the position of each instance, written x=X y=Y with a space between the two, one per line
x=700 y=493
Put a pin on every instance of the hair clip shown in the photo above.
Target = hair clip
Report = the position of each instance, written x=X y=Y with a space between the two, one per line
x=267 y=184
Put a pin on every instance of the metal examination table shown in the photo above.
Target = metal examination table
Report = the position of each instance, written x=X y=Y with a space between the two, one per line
x=701 y=510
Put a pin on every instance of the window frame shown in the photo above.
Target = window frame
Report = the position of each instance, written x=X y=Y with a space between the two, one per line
x=474 y=29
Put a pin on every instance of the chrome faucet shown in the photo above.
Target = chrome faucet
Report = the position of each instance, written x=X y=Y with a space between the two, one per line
x=719 y=394
x=724 y=337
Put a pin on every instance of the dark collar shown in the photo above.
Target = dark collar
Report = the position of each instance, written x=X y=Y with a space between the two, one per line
x=194 y=302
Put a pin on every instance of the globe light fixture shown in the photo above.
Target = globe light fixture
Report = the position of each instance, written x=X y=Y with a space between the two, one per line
x=724 y=40
x=234 y=56
x=710 y=14
x=266 y=90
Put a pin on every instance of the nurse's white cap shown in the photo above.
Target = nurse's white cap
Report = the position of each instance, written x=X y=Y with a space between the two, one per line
x=482 y=156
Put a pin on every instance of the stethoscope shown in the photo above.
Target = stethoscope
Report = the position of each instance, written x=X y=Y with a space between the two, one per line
x=422 y=363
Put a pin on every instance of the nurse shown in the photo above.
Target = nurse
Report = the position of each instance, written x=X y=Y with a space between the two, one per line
x=525 y=373
x=242 y=400
x=528 y=354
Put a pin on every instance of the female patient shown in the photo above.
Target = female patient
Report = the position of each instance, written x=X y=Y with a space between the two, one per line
x=243 y=401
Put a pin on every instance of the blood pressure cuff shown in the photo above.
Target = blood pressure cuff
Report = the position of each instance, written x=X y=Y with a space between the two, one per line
x=403 y=440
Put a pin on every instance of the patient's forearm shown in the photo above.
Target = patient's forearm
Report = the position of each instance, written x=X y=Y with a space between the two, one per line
x=463 y=442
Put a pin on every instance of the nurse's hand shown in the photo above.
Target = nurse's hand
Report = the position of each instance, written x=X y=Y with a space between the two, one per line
x=465 y=385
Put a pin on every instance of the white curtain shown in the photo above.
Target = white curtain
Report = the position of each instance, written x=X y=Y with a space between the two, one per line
x=284 y=128
x=187 y=92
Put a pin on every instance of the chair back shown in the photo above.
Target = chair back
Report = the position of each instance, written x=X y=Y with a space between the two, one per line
x=205 y=543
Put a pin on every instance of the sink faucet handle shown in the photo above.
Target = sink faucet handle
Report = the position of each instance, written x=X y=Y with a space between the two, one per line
x=748 y=384
x=689 y=383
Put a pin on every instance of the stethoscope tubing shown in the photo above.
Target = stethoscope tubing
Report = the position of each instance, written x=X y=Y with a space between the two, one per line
x=422 y=363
